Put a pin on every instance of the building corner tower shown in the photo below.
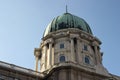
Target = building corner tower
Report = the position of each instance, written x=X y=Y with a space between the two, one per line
x=69 y=51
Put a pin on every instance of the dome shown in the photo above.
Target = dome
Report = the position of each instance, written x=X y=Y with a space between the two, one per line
x=65 y=21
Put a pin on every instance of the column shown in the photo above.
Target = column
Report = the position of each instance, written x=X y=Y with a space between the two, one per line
x=96 y=55
x=72 y=51
x=36 y=66
x=37 y=56
x=50 y=55
x=45 y=52
x=78 y=51
x=100 y=57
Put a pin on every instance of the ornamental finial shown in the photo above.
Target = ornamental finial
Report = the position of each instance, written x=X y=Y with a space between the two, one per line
x=66 y=9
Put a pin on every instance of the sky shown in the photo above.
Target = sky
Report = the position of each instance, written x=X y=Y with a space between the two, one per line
x=22 y=23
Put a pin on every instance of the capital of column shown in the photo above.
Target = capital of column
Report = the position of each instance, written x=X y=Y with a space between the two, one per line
x=78 y=38
x=74 y=36
x=95 y=43
x=49 y=40
x=37 y=52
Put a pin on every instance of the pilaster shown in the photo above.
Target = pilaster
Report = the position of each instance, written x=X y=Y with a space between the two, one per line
x=49 y=54
x=45 y=52
x=79 y=58
x=72 y=51
x=97 y=59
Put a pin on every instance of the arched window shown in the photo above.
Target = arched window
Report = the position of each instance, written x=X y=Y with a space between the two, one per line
x=87 y=59
x=62 y=58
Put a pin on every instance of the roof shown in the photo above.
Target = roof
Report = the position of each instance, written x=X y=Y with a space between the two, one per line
x=65 y=21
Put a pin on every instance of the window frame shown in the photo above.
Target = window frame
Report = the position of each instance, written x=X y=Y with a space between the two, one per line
x=87 y=59
x=85 y=47
x=62 y=58
x=62 y=46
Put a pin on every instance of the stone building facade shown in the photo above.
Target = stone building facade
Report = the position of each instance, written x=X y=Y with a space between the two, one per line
x=68 y=51
x=13 y=72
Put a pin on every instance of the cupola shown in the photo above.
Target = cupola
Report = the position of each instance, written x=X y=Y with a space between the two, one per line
x=65 y=21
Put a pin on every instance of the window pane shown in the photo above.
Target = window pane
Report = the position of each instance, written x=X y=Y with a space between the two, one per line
x=2 y=77
x=61 y=46
x=85 y=47
x=87 y=60
x=62 y=58
x=10 y=78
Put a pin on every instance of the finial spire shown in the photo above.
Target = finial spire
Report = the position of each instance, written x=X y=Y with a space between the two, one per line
x=66 y=9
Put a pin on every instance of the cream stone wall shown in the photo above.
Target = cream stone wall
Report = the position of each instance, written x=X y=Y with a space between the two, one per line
x=74 y=74
x=74 y=41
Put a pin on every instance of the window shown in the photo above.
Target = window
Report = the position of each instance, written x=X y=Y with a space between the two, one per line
x=62 y=25
x=2 y=77
x=85 y=47
x=62 y=58
x=11 y=78
x=16 y=79
x=75 y=40
x=61 y=46
x=87 y=59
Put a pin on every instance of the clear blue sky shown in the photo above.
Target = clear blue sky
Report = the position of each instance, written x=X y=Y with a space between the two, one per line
x=22 y=23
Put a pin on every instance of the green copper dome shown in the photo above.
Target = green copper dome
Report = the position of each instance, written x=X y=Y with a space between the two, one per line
x=65 y=21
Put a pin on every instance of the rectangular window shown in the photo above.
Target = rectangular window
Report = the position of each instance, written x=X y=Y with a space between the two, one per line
x=85 y=48
x=62 y=58
x=61 y=46
x=2 y=77
x=87 y=60
x=11 y=78
x=16 y=79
